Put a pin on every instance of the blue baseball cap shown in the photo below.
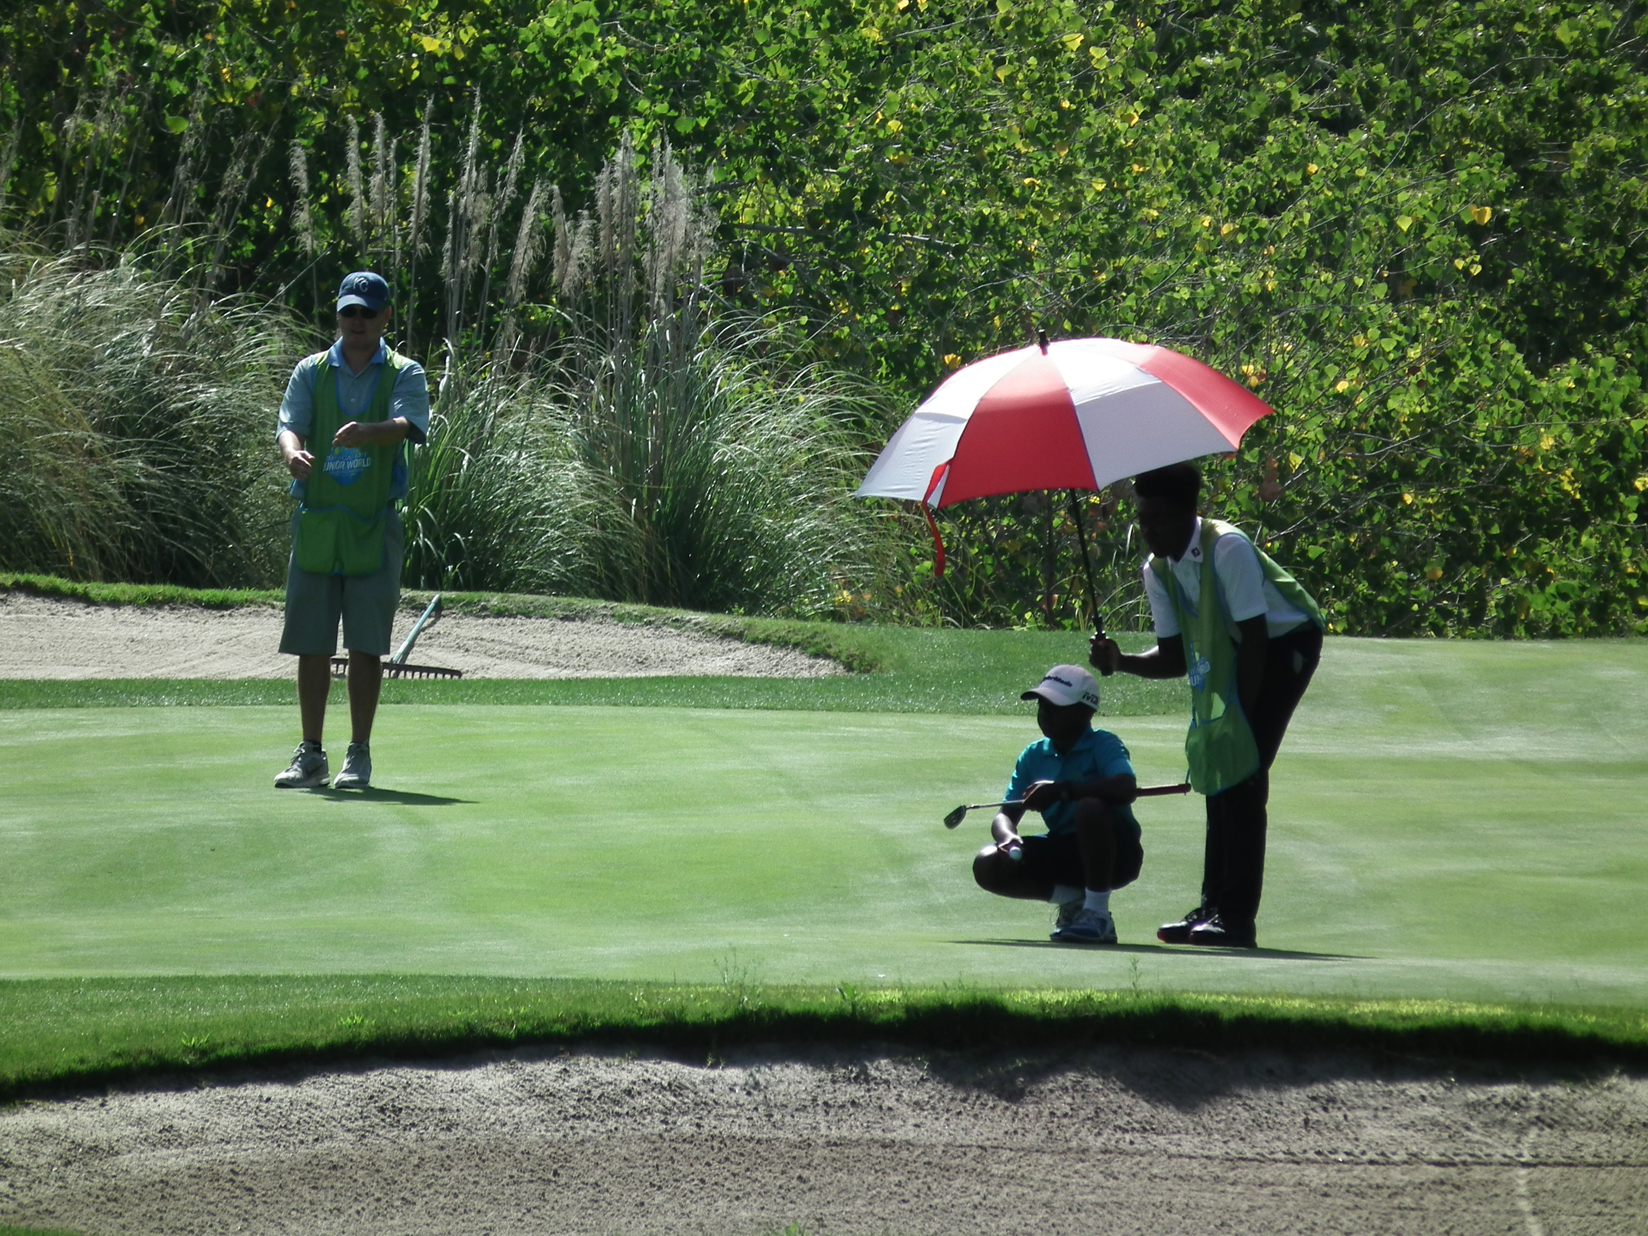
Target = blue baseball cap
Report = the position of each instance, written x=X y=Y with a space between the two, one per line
x=364 y=287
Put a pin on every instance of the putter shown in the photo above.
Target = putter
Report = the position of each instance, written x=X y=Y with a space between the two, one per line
x=955 y=818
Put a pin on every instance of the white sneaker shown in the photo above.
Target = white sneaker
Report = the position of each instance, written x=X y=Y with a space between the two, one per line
x=1067 y=915
x=1088 y=927
x=357 y=768
x=307 y=770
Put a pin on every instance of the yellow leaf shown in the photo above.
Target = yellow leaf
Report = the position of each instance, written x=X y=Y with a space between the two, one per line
x=1098 y=186
x=1227 y=229
x=1481 y=214
x=1295 y=459
x=1407 y=499
x=1061 y=148
x=1476 y=268
x=1404 y=222
x=1546 y=442
x=895 y=126
x=1207 y=220
x=951 y=359
x=1032 y=182
x=1341 y=386
x=1132 y=119
x=1073 y=41
x=1312 y=168
x=1433 y=573
x=1641 y=484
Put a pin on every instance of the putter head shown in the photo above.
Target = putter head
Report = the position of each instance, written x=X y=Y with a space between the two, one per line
x=955 y=817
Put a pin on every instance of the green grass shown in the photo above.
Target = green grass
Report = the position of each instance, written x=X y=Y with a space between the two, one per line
x=94 y=1031
x=1453 y=822
x=657 y=843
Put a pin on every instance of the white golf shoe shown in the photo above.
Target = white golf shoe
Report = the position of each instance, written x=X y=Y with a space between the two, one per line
x=307 y=770
x=357 y=768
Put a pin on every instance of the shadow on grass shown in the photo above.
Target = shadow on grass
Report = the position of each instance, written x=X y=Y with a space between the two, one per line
x=1171 y=950
x=404 y=797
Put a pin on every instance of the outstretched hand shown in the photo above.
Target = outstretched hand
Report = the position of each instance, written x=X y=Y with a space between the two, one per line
x=299 y=463
x=1104 y=655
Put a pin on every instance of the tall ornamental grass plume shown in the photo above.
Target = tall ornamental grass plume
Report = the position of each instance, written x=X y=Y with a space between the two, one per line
x=138 y=425
x=714 y=477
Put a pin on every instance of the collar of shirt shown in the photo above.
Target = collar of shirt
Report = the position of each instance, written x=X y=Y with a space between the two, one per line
x=1084 y=741
x=1193 y=547
x=334 y=357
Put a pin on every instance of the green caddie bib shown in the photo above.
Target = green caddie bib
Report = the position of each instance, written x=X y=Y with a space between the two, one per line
x=1220 y=747
x=346 y=498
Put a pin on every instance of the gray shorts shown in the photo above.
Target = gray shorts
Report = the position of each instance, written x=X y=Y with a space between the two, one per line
x=365 y=603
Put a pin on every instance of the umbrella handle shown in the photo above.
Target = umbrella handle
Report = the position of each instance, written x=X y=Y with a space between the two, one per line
x=1087 y=565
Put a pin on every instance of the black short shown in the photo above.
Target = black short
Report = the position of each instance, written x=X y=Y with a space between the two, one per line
x=1056 y=859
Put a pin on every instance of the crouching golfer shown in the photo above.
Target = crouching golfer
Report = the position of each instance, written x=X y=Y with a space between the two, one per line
x=1081 y=781
x=346 y=413
x=1248 y=637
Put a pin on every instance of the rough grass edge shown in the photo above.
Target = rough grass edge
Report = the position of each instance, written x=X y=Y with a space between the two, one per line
x=704 y=1022
x=819 y=639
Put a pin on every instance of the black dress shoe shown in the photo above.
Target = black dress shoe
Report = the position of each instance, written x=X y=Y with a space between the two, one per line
x=1217 y=933
x=1179 y=932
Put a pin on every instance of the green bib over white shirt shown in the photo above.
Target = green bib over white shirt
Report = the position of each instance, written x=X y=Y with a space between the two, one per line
x=346 y=499
x=1220 y=746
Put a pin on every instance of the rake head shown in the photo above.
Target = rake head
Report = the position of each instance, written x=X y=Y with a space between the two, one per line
x=396 y=669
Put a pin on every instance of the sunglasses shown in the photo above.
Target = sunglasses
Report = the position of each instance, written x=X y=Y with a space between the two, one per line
x=357 y=311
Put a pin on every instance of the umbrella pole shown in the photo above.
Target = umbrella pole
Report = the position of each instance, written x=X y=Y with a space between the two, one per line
x=1087 y=564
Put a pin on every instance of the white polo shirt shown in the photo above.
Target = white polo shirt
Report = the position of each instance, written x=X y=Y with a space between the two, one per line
x=1242 y=584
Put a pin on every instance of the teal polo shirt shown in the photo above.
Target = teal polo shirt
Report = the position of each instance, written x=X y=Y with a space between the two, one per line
x=1097 y=754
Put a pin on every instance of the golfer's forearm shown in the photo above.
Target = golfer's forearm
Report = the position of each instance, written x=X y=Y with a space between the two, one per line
x=384 y=433
x=1150 y=664
x=290 y=442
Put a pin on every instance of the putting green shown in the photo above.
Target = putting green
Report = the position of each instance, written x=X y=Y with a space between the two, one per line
x=1458 y=820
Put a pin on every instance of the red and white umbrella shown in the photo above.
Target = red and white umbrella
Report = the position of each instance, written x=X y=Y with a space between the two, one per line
x=1072 y=414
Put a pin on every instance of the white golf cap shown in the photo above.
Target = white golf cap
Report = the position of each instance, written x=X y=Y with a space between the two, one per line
x=1065 y=685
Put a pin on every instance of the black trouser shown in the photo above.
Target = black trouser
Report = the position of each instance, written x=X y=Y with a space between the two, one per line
x=1233 y=865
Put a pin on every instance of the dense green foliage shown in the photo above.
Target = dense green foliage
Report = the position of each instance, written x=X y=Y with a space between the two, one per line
x=1417 y=230
x=89 y=1032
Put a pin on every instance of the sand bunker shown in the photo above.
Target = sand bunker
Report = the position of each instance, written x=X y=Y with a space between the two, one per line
x=50 y=638
x=1107 y=1141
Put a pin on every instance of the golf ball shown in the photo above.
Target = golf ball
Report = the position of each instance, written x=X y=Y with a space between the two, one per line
x=1016 y=853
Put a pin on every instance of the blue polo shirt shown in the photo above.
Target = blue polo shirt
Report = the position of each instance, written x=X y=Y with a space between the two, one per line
x=1097 y=753
x=409 y=398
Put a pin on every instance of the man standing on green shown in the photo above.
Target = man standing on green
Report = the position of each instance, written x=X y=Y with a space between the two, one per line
x=346 y=413
x=1248 y=637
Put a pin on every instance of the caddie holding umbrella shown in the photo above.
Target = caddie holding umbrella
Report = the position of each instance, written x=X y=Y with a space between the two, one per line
x=1078 y=414
x=1248 y=638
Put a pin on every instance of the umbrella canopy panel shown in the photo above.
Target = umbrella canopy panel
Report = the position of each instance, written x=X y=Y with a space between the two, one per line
x=1079 y=416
